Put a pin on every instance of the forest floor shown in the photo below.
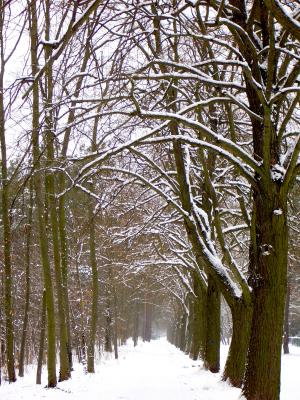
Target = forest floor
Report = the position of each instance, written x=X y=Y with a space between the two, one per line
x=151 y=371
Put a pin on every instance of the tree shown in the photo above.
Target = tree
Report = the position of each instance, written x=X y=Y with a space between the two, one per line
x=27 y=279
x=258 y=79
x=5 y=56
x=38 y=187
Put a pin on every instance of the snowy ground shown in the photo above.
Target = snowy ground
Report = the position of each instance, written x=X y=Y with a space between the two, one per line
x=151 y=371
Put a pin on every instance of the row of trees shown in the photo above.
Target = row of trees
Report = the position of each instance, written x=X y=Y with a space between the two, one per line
x=126 y=288
x=156 y=139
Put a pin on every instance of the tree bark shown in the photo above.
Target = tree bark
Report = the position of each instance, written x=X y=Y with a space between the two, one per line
x=268 y=278
x=147 y=321
x=182 y=332
x=95 y=291
x=27 y=280
x=64 y=268
x=198 y=320
x=50 y=187
x=81 y=339
x=108 y=328
x=116 y=321
x=37 y=182
x=9 y=334
x=135 y=334
x=2 y=343
x=62 y=205
x=286 y=330
x=236 y=360
x=42 y=341
x=213 y=327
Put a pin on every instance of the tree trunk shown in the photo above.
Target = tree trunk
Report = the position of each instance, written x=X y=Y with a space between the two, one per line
x=83 y=348
x=50 y=186
x=182 y=334
x=177 y=334
x=116 y=325
x=64 y=267
x=81 y=339
x=108 y=329
x=135 y=335
x=147 y=321
x=2 y=343
x=213 y=327
x=64 y=371
x=198 y=320
x=189 y=329
x=95 y=291
x=62 y=205
x=6 y=218
x=37 y=181
x=268 y=276
x=42 y=341
x=116 y=352
x=27 y=280
x=7 y=258
x=236 y=360
x=286 y=330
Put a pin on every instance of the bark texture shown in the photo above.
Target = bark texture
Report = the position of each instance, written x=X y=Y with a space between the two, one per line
x=213 y=328
x=95 y=291
x=198 y=320
x=268 y=279
x=40 y=207
x=236 y=360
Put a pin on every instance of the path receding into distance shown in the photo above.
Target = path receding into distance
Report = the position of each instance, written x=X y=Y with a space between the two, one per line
x=151 y=371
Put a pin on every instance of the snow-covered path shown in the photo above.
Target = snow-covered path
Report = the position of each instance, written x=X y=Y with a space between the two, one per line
x=152 y=371
x=159 y=371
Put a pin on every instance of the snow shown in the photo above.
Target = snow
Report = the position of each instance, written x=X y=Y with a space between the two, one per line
x=266 y=253
x=277 y=173
x=155 y=370
x=290 y=387
x=53 y=43
x=234 y=228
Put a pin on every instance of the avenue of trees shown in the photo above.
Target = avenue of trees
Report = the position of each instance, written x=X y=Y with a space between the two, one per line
x=150 y=182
